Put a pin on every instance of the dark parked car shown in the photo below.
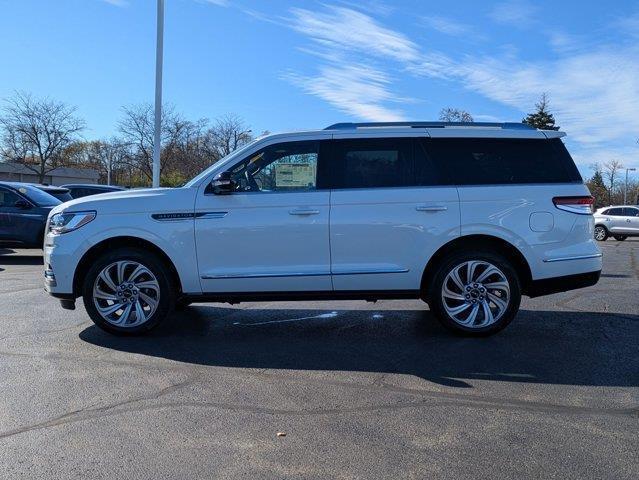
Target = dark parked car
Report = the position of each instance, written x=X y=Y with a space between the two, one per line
x=79 y=190
x=23 y=214
x=61 y=193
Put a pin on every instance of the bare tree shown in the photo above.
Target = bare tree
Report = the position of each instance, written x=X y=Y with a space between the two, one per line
x=105 y=156
x=455 y=115
x=137 y=127
x=36 y=131
x=227 y=134
x=611 y=170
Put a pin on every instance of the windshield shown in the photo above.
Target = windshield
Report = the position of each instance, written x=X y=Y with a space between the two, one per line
x=221 y=162
x=37 y=196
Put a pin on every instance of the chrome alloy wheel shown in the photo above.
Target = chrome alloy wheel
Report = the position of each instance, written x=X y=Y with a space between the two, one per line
x=475 y=294
x=126 y=293
x=600 y=233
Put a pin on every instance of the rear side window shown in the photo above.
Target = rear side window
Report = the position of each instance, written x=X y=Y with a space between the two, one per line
x=486 y=161
x=381 y=163
x=615 y=212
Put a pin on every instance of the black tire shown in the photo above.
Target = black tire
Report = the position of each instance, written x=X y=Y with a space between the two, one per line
x=167 y=290
x=601 y=233
x=620 y=238
x=181 y=304
x=456 y=259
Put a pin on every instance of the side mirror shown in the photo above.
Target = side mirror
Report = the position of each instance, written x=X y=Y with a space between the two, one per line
x=223 y=184
x=23 y=204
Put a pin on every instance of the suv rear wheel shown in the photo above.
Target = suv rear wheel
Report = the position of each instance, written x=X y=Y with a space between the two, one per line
x=475 y=293
x=128 y=291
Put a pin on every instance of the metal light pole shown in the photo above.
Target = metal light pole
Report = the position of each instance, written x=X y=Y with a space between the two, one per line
x=625 y=190
x=159 y=54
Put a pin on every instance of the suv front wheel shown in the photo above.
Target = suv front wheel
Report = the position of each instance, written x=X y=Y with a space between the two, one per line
x=475 y=293
x=128 y=291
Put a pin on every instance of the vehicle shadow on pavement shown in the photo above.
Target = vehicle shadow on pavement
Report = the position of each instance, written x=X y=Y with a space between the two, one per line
x=568 y=348
x=7 y=259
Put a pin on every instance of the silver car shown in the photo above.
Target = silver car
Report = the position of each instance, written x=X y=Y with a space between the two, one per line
x=619 y=222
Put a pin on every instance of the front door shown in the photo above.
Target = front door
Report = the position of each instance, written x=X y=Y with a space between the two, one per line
x=19 y=224
x=271 y=233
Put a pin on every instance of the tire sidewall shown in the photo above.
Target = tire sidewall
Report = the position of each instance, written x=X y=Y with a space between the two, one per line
x=150 y=261
x=437 y=306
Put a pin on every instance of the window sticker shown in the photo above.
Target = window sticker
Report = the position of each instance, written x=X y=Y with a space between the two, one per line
x=294 y=175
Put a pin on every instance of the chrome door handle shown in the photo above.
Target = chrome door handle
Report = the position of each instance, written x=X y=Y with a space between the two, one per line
x=304 y=211
x=431 y=208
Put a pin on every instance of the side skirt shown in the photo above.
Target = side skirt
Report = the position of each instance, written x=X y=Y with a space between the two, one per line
x=370 y=296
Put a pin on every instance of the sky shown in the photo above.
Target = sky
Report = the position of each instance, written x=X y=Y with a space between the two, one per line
x=292 y=65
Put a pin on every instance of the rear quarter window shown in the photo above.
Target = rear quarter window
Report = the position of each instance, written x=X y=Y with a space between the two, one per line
x=487 y=161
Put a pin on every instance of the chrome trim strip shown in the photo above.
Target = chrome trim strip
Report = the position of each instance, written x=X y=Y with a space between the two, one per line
x=576 y=257
x=264 y=275
x=373 y=272
x=297 y=274
x=205 y=215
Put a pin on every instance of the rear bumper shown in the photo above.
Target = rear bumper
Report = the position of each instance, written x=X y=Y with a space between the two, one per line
x=548 y=286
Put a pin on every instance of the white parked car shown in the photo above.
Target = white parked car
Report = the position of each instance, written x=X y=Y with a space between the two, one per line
x=619 y=222
x=467 y=217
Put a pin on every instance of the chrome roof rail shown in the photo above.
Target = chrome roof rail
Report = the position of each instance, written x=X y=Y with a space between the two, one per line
x=505 y=125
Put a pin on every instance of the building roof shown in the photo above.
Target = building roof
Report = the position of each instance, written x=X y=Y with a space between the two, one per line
x=69 y=172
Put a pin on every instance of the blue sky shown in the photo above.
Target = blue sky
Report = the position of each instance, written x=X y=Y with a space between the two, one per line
x=290 y=65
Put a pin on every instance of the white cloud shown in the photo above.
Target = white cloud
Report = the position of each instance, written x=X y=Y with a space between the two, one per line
x=447 y=25
x=349 y=43
x=518 y=13
x=219 y=3
x=117 y=3
x=357 y=90
x=594 y=95
x=348 y=29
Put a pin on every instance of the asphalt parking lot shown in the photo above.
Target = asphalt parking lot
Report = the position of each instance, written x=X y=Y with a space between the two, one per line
x=361 y=390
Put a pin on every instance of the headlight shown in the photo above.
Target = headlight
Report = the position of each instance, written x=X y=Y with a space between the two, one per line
x=67 y=222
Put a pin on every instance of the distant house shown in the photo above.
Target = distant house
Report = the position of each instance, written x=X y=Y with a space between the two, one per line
x=15 y=172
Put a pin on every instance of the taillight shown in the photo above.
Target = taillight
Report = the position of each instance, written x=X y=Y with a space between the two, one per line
x=581 y=205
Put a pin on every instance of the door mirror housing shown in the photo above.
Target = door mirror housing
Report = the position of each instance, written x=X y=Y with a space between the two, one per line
x=23 y=204
x=223 y=184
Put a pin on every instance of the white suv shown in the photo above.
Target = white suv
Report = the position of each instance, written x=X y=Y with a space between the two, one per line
x=619 y=221
x=467 y=217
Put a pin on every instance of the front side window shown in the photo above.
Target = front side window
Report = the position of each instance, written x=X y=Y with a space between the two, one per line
x=615 y=212
x=284 y=167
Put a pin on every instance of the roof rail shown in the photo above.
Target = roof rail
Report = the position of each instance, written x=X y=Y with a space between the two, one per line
x=505 y=125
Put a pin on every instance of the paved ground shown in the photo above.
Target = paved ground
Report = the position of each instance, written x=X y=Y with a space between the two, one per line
x=361 y=390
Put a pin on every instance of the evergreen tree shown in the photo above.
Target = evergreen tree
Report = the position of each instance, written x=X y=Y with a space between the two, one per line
x=541 y=118
x=598 y=188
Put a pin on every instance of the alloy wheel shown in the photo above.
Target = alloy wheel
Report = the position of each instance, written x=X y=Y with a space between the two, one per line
x=475 y=294
x=600 y=233
x=126 y=293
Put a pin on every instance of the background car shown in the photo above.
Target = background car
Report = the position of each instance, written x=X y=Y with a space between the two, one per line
x=619 y=222
x=23 y=214
x=61 y=193
x=84 y=190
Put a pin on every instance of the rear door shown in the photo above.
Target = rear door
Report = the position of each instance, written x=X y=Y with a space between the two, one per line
x=390 y=211
x=631 y=215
